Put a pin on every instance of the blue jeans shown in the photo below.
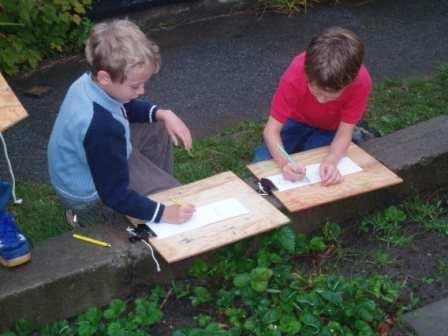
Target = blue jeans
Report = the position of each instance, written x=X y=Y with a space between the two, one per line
x=297 y=137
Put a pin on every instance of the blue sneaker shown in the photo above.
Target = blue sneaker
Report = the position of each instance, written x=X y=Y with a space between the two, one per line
x=14 y=248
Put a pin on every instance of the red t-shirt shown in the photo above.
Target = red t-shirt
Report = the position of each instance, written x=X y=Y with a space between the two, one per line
x=293 y=99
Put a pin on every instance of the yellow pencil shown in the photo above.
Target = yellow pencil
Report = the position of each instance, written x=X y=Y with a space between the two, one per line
x=91 y=240
x=176 y=201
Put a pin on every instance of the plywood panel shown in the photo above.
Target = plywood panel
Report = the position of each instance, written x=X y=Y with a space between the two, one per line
x=11 y=110
x=374 y=176
x=263 y=216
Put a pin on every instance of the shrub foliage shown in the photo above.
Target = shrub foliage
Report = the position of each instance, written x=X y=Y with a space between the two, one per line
x=33 y=29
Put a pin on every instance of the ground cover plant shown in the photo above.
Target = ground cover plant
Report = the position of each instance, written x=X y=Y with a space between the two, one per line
x=340 y=281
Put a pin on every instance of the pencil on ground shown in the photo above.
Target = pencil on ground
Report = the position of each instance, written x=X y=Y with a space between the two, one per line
x=91 y=240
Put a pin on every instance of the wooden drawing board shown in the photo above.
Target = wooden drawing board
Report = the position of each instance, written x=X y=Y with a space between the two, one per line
x=262 y=216
x=373 y=176
x=11 y=110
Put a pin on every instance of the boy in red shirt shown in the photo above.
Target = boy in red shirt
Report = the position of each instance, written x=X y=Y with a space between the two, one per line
x=319 y=100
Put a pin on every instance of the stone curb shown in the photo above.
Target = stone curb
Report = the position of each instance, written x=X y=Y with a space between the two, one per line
x=66 y=276
x=429 y=320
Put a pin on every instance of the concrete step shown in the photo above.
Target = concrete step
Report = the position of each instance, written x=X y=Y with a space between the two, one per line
x=429 y=320
x=66 y=276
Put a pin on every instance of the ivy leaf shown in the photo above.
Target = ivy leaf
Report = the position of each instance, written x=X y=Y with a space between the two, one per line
x=287 y=238
x=261 y=273
x=201 y=295
x=199 y=269
x=311 y=321
x=116 y=308
x=86 y=329
x=259 y=285
x=250 y=324
x=147 y=312
x=271 y=316
x=115 y=329
x=290 y=325
x=241 y=280
x=332 y=297
x=92 y=316
x=317 y=244
x=363 y=328
x=226 y=298
x=365 y=315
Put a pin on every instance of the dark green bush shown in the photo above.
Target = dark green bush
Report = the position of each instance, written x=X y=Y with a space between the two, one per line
x=31 y=30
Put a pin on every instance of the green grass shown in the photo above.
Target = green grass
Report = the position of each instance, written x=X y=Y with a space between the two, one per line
x=230 y=150
x=40 y=216
x=398 y=104
x=394 y=105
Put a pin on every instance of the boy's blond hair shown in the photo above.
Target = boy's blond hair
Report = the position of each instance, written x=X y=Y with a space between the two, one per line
x=333 y=58
x=118 y=46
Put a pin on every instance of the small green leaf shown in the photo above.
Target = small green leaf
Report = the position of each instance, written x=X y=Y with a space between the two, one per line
x=241 y=280
x=287 y=238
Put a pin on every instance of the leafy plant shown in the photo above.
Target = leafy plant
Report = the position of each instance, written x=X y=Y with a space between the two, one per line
x=199 y=269
x=387 y=226
x=431 y=215
x=200 y=296
x=32 y=30
x=442 y=266
x=331 y=232
x=382 y=258
x=289 y=7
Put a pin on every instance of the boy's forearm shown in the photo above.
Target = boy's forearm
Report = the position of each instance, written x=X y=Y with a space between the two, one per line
x=340 y=143
x=271 y=135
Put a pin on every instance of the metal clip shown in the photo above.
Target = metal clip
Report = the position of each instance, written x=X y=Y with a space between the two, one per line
x=266 y=186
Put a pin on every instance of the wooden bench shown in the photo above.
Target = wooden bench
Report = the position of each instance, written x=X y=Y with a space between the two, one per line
x=11 y=110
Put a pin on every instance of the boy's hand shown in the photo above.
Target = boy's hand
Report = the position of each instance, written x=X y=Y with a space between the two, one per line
x=293 y=172
x=176 y=128
x=178 y=214
x=329 y=174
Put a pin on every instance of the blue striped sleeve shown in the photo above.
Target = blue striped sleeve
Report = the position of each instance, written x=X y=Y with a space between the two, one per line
x=140 y=111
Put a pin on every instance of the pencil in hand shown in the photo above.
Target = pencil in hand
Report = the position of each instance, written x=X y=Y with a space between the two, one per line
x=177 y=201
x=290 y=159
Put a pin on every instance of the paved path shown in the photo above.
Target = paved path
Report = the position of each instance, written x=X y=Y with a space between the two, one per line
x=217 y=73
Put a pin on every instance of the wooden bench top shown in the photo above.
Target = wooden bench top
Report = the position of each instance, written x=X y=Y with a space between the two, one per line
x=11 y=110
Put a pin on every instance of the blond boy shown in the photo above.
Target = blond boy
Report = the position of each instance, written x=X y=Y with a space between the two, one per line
x=109 y=146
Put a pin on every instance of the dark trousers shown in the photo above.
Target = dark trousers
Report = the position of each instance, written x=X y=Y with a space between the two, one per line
x=297 y=137
x=151 y=161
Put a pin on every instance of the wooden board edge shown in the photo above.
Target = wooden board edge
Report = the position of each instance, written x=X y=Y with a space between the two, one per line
x=292 y=210
x=191 y=255
x=5 y=127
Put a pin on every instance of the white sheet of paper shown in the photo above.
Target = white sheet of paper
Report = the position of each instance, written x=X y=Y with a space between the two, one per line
x=204 y=215
x=346 y=166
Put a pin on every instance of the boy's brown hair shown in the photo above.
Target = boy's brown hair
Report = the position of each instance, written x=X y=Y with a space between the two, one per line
x=333 y=59
x=118 y=46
